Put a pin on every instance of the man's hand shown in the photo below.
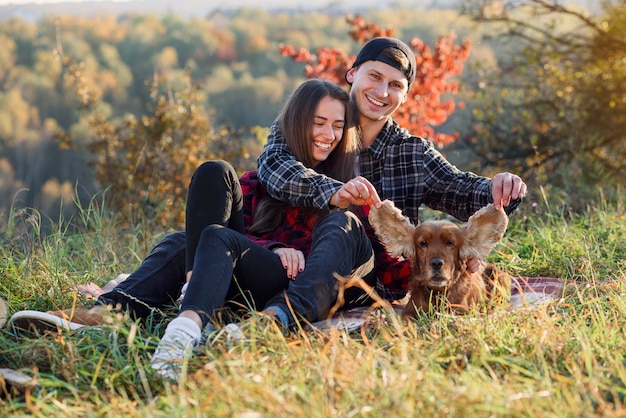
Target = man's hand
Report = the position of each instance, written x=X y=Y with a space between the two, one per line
x=292 y=260
x=358 y=191
x=506 y=186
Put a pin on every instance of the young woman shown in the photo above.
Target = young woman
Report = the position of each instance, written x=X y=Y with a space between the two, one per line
x=243 y=245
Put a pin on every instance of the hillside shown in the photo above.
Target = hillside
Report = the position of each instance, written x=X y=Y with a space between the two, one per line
x=199 y=8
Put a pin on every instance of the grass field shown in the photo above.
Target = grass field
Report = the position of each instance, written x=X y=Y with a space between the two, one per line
x=560 y=359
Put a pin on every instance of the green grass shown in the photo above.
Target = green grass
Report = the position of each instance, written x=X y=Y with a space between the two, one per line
x=564 y=359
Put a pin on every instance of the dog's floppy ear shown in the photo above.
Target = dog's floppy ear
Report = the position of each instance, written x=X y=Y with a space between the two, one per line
x=483 y=231
x=394 y=229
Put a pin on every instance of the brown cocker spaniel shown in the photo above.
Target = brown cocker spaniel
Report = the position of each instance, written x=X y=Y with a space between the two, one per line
x=438 y=251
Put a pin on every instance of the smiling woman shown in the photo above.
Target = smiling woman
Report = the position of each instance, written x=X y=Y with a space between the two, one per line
x=233 y=226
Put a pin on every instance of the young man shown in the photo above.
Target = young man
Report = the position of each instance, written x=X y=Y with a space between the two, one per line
x=393 y=164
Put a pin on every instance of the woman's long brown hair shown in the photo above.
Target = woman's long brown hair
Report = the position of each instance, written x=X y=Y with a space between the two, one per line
x=296 y=124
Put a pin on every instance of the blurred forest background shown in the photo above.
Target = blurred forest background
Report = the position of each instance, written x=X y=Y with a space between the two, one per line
x=88 y=104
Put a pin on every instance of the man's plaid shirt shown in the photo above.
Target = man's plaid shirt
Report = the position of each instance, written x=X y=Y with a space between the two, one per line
x=403 y=168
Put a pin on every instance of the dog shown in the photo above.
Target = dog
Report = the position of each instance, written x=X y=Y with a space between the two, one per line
x=438 y=251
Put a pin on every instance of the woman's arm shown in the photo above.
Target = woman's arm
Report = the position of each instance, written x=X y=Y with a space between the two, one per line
x=288 y=180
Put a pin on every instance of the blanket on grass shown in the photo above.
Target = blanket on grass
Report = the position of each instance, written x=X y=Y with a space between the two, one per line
x=524 y=291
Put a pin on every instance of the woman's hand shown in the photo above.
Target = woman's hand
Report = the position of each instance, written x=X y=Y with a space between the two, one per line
x=292 y=260
x=358 y=191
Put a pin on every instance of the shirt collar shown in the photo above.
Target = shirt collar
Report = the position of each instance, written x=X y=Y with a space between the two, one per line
x=377 y=149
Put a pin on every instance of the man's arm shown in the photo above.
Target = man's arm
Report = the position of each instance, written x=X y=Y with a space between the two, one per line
x=287 y=179
x=460 y=194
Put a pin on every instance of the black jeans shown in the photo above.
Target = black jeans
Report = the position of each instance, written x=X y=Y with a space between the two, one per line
x=215 y=198
x=229 y=266
x=341 y=246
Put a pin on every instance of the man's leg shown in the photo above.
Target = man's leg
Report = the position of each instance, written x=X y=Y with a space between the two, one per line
x=155 y=284
x=152 y=287
x=340 y=245
x=214 y=198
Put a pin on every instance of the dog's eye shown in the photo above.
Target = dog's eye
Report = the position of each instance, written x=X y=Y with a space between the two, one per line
x=450 y=244
x=423 y=244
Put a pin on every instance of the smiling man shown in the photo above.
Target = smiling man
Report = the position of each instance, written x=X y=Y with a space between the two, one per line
x=381 y=78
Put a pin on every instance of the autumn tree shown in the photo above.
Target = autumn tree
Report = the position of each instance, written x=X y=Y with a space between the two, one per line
x=555 y=111
x=429 y=103
x=145 y=162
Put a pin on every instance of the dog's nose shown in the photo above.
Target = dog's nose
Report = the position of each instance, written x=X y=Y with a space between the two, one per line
x=436 y=263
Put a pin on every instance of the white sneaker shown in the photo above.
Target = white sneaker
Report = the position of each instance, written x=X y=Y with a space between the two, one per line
x=40 y=322
x=234 y=333
x=182 y=335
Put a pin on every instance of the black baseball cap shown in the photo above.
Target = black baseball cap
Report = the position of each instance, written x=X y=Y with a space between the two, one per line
x=371 y=52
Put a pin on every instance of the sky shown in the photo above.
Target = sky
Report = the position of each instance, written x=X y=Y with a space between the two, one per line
x=6 y=2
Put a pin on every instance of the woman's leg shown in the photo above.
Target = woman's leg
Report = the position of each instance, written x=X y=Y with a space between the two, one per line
x=340 y=245
x=222 y=254
x=228 y=263
x=214 y=198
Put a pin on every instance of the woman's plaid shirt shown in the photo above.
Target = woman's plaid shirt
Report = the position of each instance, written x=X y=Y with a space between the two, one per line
x=295 y=231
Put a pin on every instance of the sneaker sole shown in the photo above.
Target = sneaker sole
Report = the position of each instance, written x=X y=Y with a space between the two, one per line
x=3 y=312
x=40 y=322
x=14 y=382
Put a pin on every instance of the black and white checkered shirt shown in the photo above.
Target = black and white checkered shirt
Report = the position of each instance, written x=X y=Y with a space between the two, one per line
x=403 y=168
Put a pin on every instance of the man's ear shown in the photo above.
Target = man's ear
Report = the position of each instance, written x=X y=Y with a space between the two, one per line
x=406 y=96
x=350 y=75
x=394 y=229
x=483 y=231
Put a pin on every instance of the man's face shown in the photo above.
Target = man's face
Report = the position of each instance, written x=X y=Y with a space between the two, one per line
x=378 y=89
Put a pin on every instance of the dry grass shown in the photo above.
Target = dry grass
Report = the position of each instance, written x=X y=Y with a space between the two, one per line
x=552 y=360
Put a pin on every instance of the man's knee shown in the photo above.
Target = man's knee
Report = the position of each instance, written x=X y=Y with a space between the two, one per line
x=341 y=218
x=172 y=242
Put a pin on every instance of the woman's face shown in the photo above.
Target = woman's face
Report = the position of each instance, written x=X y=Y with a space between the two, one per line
x=330 y=118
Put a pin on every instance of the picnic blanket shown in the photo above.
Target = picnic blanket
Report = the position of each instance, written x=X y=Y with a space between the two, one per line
x=525 y=291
